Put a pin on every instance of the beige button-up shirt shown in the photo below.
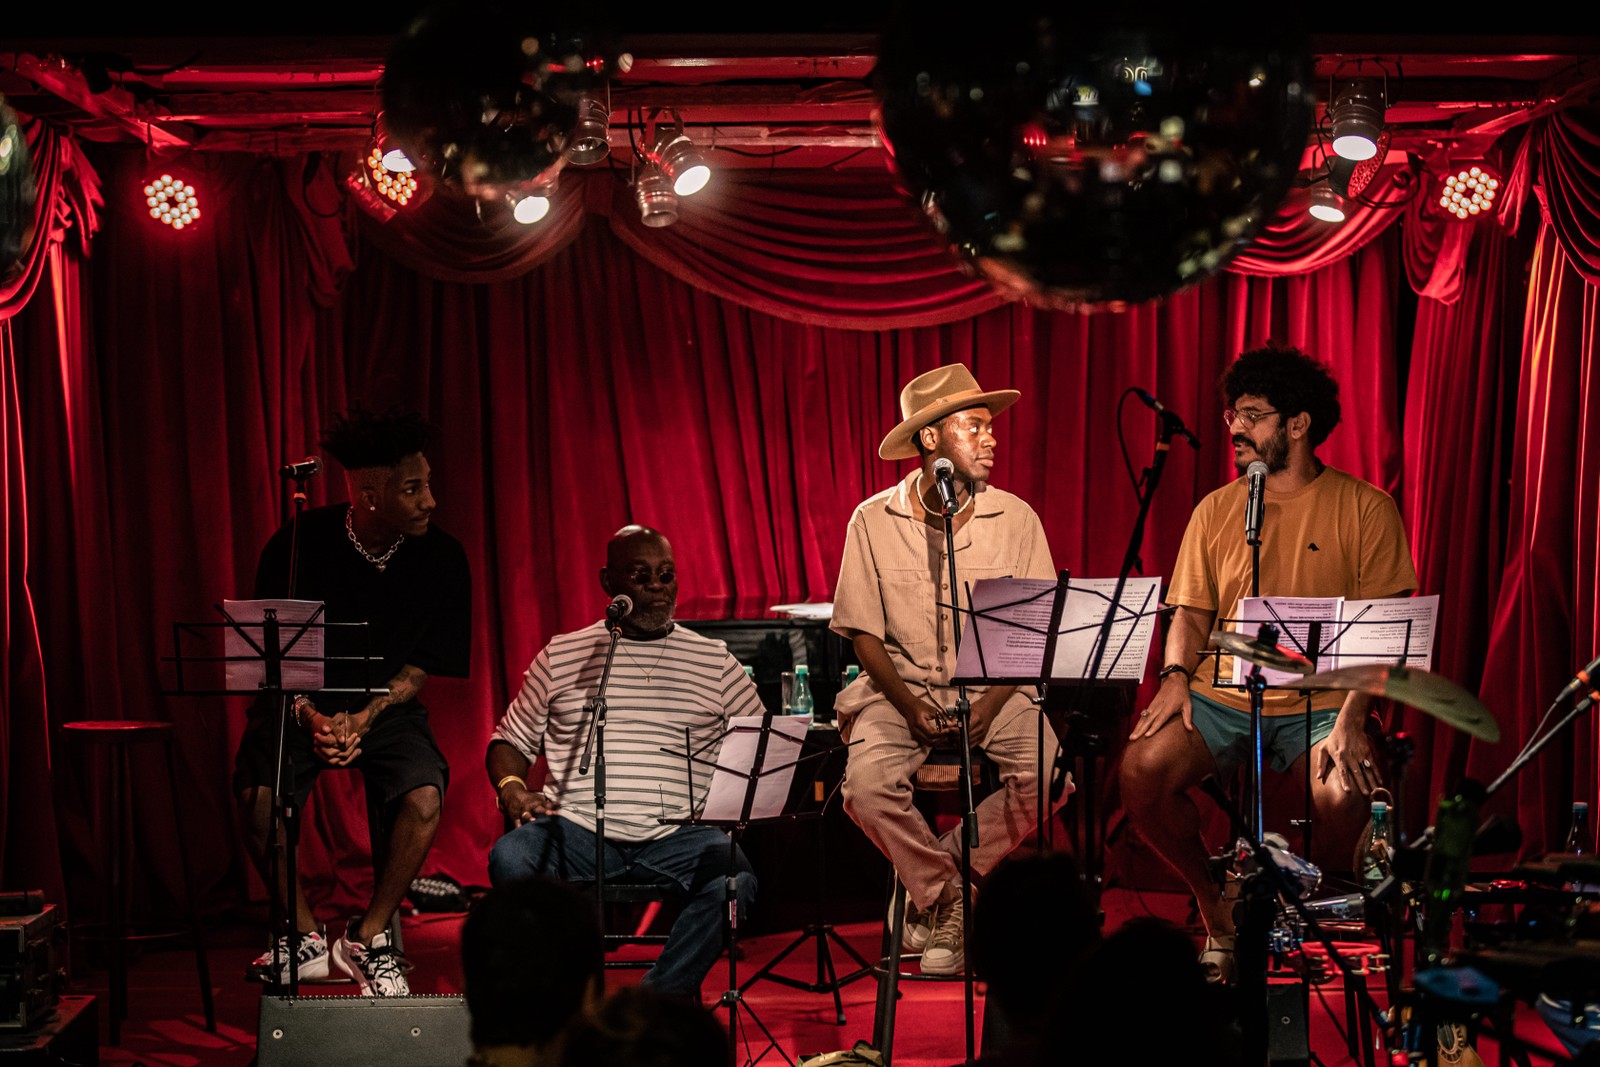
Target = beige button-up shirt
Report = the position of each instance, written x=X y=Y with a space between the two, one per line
x=894 y=582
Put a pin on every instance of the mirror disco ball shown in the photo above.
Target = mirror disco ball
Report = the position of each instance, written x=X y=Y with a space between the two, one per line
x=484 y=98
x=1077 y=163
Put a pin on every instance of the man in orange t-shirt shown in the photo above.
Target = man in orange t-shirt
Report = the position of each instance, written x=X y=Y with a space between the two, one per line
x=1325 y=534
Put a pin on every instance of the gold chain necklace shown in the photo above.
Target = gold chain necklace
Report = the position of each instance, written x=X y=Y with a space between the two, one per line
x=379 y=562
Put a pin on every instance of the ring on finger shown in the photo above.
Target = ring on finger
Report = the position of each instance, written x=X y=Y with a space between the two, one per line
x=1366 y=764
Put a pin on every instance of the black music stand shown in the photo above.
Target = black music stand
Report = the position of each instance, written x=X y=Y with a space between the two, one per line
x=762 y=766
x=274 y=648
x=1014 y=621
x=819 y=933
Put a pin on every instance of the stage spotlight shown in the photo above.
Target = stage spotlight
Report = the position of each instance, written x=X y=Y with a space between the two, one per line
x=1356 y=119
x=172 y=201
x=658 y=204
x=396 y=187
x=589 y=144
x=677 y=155
x=1469 y=192
x=530 y=205
x=1326 y=203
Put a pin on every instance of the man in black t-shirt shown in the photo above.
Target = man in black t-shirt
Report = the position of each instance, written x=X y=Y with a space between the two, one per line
x=377 y=559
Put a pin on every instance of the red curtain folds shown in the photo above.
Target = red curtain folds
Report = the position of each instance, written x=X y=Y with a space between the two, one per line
x=1460 y=402
x=66 y=203
x=1545 y=618
x=1559 y=160
x=1295 y=243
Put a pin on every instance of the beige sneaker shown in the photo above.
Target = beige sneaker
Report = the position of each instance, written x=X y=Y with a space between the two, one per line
x=945 y=953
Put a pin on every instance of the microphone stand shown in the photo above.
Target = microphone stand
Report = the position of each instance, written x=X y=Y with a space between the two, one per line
x=969 y=814
x=1166 y=425
x=285 y=812
x=595 y=744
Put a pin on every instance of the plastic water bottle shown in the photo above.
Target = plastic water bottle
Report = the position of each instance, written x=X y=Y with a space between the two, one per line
x=1578 y=841
x=802 y=703
x=851 y=673
x=1375 y=865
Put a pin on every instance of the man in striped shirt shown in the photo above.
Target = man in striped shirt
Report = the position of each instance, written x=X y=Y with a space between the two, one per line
x=665 y=681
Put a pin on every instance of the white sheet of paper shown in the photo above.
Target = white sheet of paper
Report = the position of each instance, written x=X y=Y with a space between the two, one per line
x=820 y=610
x=1013 y=617
x=1386 y=641
x=302 y=674
x=1128 y=644
x=736 y=761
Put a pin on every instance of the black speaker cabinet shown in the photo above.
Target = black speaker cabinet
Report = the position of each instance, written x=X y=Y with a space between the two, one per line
x=419 y=1031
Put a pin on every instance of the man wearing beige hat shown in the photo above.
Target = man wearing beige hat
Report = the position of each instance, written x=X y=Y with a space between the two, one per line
x=891 y=602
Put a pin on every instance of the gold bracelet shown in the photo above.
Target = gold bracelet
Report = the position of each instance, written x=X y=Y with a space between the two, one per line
x=501 y=784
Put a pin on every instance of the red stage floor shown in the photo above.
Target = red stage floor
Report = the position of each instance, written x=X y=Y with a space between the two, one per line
x=165 y=1027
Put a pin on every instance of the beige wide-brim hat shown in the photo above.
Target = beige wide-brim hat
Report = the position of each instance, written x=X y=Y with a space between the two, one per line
x=929 y=397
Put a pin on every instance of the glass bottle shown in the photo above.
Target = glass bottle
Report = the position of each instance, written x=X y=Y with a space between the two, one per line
x=1578 y=840
x=1376 y=864
x=802 y=704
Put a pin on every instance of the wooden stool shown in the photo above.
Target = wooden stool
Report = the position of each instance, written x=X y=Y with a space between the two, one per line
x=940 y=773
x=113 y=738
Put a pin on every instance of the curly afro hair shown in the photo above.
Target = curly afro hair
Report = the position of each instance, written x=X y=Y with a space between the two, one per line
x=1290 y=381
x=361 y=439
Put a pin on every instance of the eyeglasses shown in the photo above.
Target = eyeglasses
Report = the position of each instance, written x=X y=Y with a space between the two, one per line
x=1250 y=417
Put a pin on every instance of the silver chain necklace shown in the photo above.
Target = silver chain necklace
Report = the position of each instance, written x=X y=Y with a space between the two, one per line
x=379 y=562
x=653 y=667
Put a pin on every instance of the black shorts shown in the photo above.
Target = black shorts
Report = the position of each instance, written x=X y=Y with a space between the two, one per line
x=398 y=755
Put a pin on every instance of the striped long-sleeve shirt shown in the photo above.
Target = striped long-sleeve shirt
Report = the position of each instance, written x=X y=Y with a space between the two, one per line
x=657 y=690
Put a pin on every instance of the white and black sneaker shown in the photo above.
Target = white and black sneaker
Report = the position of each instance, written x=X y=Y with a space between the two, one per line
x=316 y=962
x=918 y=927
x=946 y=953
x=379 y=968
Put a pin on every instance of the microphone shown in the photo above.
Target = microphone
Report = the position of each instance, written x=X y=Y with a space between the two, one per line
x=309 y=467
x=1582 y=678
x=621 y=607
x=1255 y=506
x=1170 y=418
x=944 y=475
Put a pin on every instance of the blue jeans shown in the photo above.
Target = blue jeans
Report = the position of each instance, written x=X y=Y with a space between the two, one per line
x=693 y=859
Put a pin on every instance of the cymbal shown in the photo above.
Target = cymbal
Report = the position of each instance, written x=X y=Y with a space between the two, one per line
x=1275 y=657
x=1423 y=690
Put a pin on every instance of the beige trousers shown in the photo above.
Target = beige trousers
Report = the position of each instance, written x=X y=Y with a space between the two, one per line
x=878 y=793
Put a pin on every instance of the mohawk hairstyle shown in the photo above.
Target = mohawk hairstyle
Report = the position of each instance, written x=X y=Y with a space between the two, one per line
x=1290 y=381
x=360 y=439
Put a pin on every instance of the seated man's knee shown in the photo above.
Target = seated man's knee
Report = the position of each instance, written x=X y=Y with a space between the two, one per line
x=423 y=803
x=1141 y=778
x=510 y=859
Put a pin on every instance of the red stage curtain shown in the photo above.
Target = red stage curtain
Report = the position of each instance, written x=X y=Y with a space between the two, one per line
x=67 y=198
x=1559 y=160
x=1295 y=243
x=1460 y=401
x=1545 y=616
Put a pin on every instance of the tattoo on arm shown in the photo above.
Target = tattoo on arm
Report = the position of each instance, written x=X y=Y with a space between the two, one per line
x=404 y=686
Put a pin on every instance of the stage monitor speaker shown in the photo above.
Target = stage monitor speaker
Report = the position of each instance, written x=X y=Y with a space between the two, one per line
x=418 y=1031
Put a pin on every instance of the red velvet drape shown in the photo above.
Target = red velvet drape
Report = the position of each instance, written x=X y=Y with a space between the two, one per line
x=601 y=386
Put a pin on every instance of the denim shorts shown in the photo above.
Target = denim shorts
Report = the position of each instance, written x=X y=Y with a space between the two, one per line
x=1283 y=737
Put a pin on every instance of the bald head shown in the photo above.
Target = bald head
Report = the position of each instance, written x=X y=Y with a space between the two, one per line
x=639 y=565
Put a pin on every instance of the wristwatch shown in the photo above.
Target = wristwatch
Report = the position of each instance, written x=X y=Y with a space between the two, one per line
x=1175 y=668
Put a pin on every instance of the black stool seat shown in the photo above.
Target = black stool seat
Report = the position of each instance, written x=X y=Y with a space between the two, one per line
x=112 y=738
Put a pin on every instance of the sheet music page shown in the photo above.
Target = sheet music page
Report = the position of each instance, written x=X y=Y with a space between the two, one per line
x=300 y=674
x=1380 y=634
x=736 y=761
x=1292 y=616
x=1134 y=625
x=1011 y=617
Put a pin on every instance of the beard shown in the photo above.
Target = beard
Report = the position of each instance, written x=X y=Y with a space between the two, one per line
x=649 y=620
x=1274 y=452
